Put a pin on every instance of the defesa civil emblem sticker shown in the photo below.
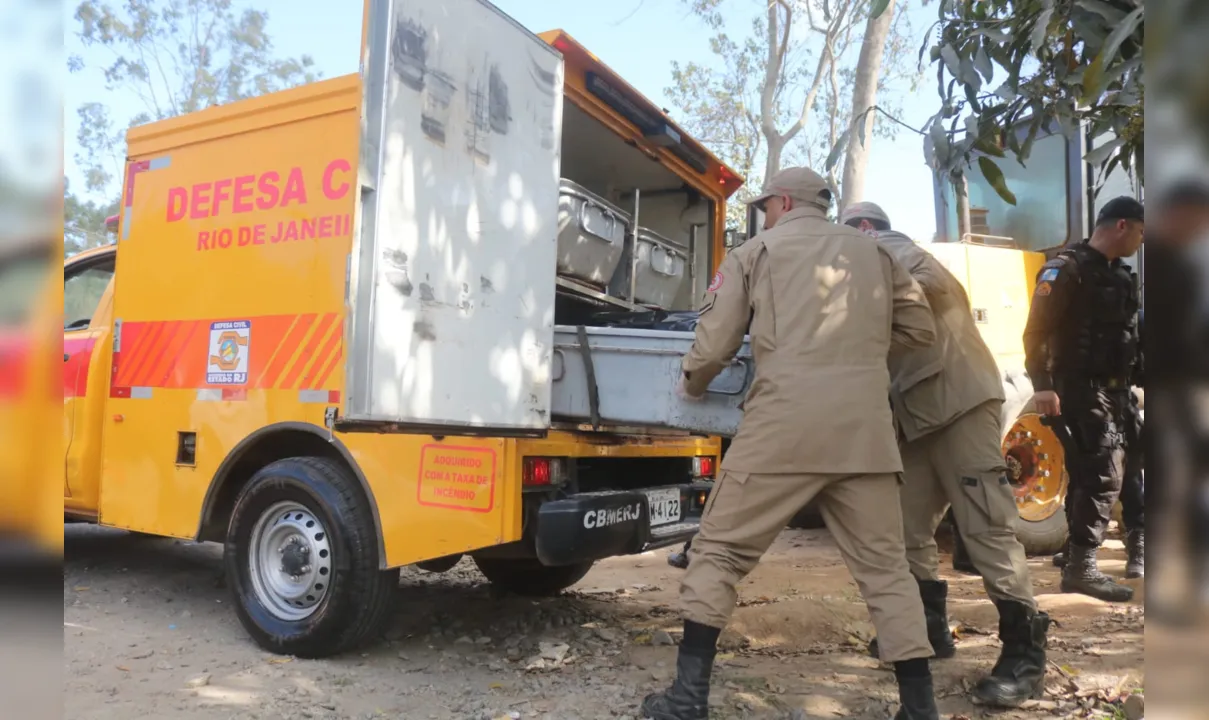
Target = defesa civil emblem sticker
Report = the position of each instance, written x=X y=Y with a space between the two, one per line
x=1044 y=289
x=716 y=283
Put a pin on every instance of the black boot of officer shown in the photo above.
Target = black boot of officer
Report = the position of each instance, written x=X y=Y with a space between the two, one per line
x=679 y=560
x=1135 y=553
x=688 y=697
x=1081 y=574
x=961 y=556
x=1019 y=675
x=934 y=593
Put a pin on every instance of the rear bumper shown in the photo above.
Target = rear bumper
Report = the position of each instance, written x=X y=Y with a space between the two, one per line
x=597 y=525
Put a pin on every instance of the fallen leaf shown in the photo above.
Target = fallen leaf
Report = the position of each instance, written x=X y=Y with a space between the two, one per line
x=280 y=661
x=123 y=668
x=81 y=588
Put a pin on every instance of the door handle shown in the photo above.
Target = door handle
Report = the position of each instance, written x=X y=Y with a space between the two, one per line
x=66 y=357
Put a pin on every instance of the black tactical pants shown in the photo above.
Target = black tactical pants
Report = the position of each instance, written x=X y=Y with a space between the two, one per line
x=1133 y=488
x=1098 y=421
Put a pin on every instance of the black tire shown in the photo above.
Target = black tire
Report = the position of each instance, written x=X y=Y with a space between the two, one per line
x=528 y=577
x=358 y=595
x=1045 y=537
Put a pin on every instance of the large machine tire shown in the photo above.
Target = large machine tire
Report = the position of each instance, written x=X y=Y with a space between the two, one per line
x=1041 y=524
x=528 y=577
x=1045 y=537
x=301 y=559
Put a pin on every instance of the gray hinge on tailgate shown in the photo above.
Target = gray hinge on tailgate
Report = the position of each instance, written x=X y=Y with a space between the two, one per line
x=117 y=336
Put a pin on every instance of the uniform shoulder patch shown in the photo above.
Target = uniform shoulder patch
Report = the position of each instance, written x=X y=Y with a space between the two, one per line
x=1043 y=289
x=716 y=284
x=1049 y=274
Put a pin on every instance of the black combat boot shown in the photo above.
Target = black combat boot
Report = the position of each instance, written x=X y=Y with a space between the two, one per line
x=1060 y=556
x=1019 y=675
x=915 y=695
x=1135 y=547
x=679 y=560
x=688 y=697
x=1081 y=575
x=934 y=594
x=961 y=556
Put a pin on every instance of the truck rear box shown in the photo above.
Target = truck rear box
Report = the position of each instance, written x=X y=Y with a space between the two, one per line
x=628 y=377
x=452 y=270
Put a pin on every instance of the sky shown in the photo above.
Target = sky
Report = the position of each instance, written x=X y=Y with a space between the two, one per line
x=31 y=62
x=637 y=38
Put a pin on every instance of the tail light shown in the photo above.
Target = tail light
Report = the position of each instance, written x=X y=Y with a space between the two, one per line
x=704 y=467
x=543 y=472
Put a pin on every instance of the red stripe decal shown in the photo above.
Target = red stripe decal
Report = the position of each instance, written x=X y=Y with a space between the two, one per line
x=308 y=352
x=330 y=367
x=285 y=351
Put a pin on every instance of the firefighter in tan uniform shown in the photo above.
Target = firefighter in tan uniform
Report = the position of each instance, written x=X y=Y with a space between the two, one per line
x=825 y=303
x=947 y=401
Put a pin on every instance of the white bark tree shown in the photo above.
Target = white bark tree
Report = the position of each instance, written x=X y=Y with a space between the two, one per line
x=783 y=94
x=864 y=98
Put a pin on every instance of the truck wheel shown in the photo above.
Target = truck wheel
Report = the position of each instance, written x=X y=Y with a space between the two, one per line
x=301 y=560
x=1037 y=469
x=528 y=577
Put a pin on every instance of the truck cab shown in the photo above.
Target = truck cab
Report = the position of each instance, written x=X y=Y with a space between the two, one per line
x=361 y=324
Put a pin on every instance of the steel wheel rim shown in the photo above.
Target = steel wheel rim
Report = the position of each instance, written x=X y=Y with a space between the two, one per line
x=290 y=561
x=1036 y=465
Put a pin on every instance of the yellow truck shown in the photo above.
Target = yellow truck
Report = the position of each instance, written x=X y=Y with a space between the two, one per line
x=29 y=306
x=338 y=326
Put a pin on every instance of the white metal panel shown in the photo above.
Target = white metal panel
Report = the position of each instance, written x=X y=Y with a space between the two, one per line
x=452 y=281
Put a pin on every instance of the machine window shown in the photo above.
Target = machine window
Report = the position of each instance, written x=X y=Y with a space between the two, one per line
x=82 y=291
x=1040 y=218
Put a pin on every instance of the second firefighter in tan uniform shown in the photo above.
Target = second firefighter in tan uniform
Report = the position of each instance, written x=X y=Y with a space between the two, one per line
x=947 y=401
x=825 y=304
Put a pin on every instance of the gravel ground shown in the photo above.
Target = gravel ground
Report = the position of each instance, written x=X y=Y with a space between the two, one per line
x=149 y=633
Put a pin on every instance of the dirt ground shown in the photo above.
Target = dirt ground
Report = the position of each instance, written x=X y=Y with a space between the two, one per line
x=149 y=633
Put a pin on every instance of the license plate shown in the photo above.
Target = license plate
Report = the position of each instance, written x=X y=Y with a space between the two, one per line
x=665 y=506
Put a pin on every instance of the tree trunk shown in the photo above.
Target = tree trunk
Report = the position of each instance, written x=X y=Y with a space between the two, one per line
x=864 y=97
x=773 y=159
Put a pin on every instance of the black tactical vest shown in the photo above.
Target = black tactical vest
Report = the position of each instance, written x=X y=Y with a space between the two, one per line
x=1097 y=339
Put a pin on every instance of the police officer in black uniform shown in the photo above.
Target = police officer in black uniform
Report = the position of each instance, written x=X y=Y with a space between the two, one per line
x=1133 y=488
x=1081 y=349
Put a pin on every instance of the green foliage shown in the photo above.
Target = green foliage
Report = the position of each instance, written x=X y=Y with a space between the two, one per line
x=1043 y=65
x=84 y=222
x=176 y=57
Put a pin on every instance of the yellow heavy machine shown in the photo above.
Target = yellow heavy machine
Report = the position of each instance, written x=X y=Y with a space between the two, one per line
x=996 y=250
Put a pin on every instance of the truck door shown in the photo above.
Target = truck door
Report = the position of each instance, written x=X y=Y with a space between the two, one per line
x=452 y=277
x=87 y=307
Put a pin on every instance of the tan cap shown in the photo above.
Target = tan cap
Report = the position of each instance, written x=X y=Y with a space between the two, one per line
x=799 y=183
x=864 y=211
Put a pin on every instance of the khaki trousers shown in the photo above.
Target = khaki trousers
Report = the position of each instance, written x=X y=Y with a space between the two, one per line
x=746 y=512
x=962 y=466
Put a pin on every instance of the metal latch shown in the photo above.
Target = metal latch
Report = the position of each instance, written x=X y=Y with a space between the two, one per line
x=329 y=418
